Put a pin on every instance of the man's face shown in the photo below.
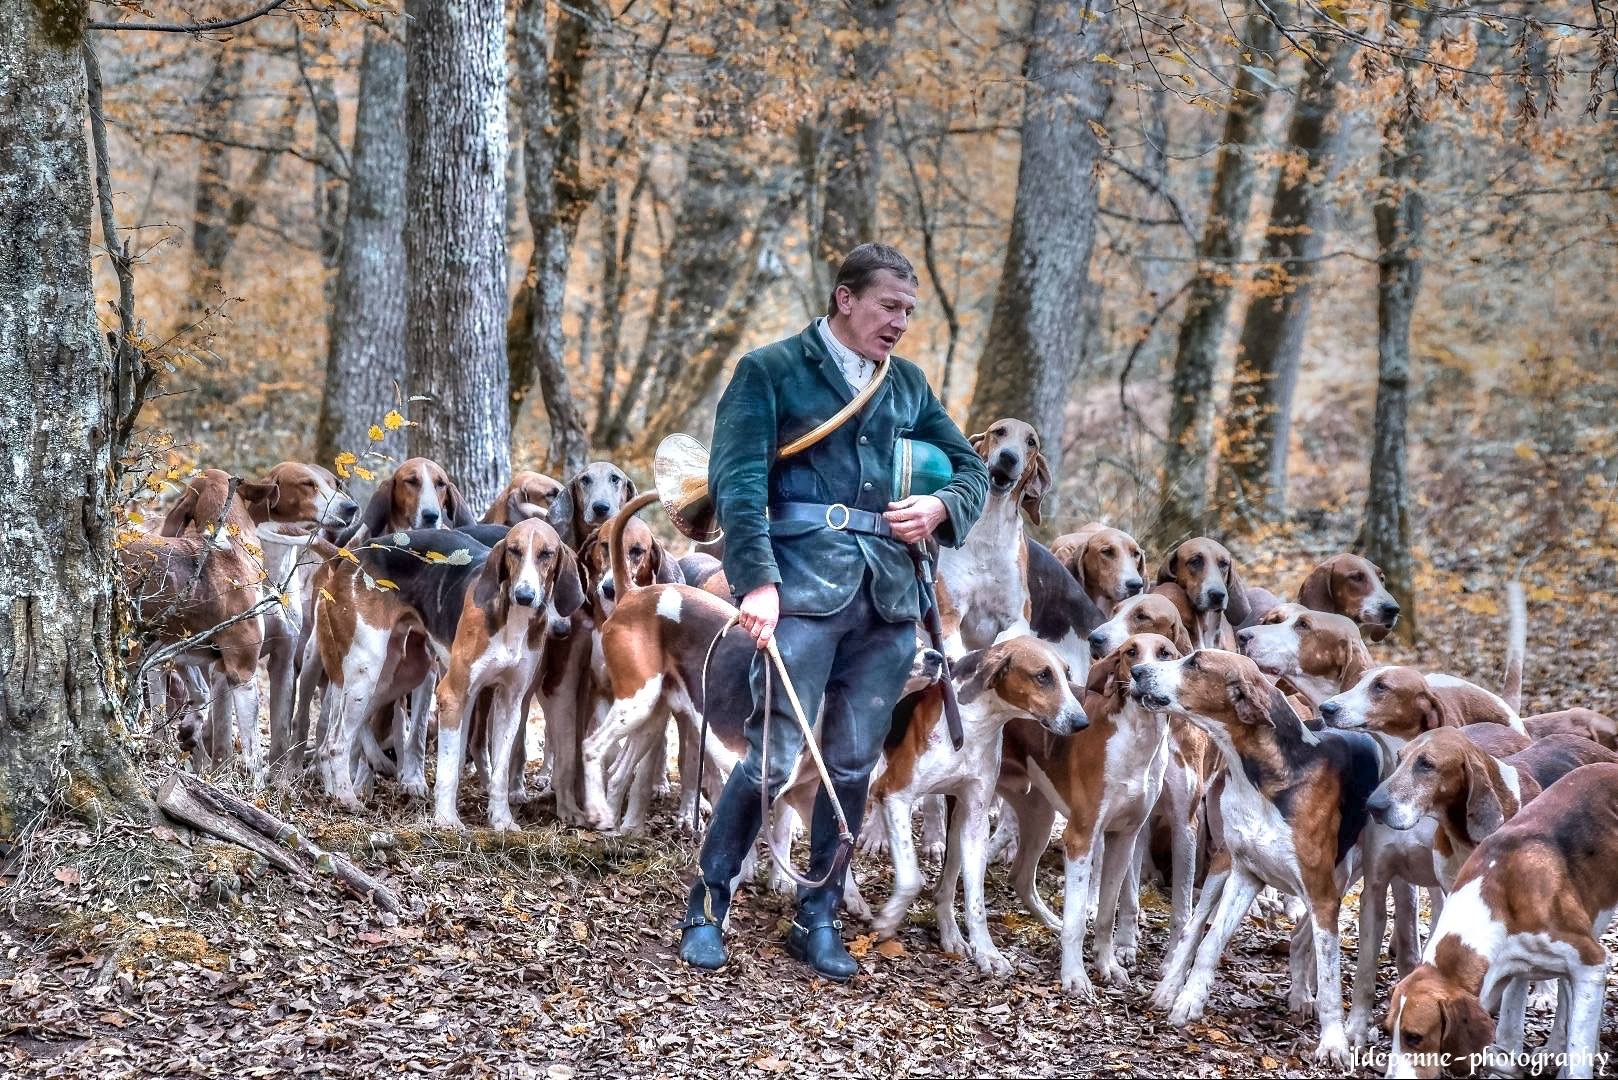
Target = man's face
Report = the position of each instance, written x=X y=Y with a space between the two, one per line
x=877 y=318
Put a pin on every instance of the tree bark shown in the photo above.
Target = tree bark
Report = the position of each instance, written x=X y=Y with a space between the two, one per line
x=853 y=136
x=210 y=239
x=1036 y=328
x=1257 y=424
x=1399 y=214
x=1196 y=358
x=455 y=240
x=557 y=198
x=59 y=728
x=365 y=365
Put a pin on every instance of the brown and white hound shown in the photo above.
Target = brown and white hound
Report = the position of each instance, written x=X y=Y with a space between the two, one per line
x=1292 y=809
x=983 y=584
x=1355 y=587
x=528 y=495
x=419 y=495
x=1107 y=562
x=1319 y=653
x=201 y=570
x=528 y=581
x=1532 y=902
x=1205 y=570
x=1598 y=727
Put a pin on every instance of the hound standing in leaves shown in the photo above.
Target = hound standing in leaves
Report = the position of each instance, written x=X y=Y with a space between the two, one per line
x=815 y=550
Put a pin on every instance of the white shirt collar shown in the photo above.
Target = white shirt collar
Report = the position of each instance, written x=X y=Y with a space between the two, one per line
x=856 y=369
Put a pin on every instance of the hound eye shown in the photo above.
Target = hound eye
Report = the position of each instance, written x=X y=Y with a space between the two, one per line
x=1224 y=564
x=1303 y=624
x=1044 y=677
x=1030 y=440
x=1108 y=552
x=1424 y=764
x=1191 y=662
x=1163 y=654
x=1358 y=575
x=1414 y=1038
x=1195 y=562
x=412 y=481
x=614 y=481
x=997 y=432
x=1376 y=689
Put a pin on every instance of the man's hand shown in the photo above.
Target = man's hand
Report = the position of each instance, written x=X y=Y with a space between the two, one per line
x=761 y=610
x=914 y=519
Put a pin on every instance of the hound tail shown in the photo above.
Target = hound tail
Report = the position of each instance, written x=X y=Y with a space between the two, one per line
x=1516 y=643
x=622 y=582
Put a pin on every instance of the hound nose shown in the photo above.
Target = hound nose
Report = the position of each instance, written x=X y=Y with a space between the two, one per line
x=346 y=509
x=1390 y=610
x=1098 y=641
x=1329 y=710
x=1138 y=673
x=1216 y=598
x=1133 y=586
x=1007 y=460
x=608 y=589
x=1243 y=637
x=429 y=518
x=600 y=509
x=1379 y=803
x=523 y=594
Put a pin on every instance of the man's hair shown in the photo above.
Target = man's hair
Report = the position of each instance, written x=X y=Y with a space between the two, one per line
x=863 y=264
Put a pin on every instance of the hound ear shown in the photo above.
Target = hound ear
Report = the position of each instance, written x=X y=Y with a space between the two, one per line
x=1315 y=592
x=630 y=488
x=491 y=587
x=1035 y=483
x=459 y=516
x=182 y=515
x=977 y=442
x=513 y=507
x=1102 y=678
x=585 y=558
x=378 y=509
x=1169 y=569
x=1466 y=1027
x=1238 y=612
x=267 y=492
x=667 y=567
x=1250 y=698
x=1182 y=640
x=1140 y=563
x=1484 y=814
x=1432 y=711
x=561 y=516
x=981 y=670
x=567 y=595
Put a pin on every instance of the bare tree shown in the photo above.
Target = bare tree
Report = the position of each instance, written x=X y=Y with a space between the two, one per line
x=58 y=723
x=366 y=362
x=1253 y=474
x=552 y=75
x=1196 y=358
x=1036 y=328
x=1406 y=157
x=455 y=239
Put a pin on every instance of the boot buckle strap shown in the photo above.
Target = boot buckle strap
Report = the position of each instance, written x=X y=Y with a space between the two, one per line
x=835 y=924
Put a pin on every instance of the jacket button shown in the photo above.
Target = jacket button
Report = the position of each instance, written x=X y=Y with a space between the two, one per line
x=864 y=439
x=867 y=485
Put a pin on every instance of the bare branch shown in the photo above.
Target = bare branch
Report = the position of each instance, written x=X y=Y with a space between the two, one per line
x=188 y=28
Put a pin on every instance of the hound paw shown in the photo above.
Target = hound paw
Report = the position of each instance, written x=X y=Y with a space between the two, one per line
x=992 y=962
x=1112 y=973
x=1078 y=984
x=416 y=788
x=520 y=797
x=504 y=825
x=1359 y=1030
x=448 y=821
x=1162 y=998
x=1333 y=1050
x=950 y=940
x=1126 y=955
x=1301 y=1006
x=1185 y=1010
x=933 y=852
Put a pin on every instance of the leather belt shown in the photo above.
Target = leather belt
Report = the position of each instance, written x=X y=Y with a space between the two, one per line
x=836 y=516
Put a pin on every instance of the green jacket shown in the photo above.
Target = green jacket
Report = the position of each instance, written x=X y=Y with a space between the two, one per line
x=783 y=391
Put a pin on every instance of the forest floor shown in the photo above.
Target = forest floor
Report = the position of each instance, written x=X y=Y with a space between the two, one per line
x=134 y=951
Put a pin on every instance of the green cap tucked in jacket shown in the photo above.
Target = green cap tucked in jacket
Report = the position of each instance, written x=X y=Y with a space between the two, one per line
x=783 y=391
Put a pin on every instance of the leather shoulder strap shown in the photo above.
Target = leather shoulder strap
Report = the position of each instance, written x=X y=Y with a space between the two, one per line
x=804 y=442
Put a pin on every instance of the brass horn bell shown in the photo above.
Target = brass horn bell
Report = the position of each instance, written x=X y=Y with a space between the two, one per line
x=680 y=474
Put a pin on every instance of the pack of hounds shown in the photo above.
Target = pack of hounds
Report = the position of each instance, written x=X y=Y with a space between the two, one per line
x=1184 y=725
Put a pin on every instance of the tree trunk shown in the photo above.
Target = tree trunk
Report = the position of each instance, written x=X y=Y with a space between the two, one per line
x=1190 y=430
x=551 y=84
x=59 y=729
x=1035 y=330
x=851 y=149
x=1399 y=211
x=366 y=362
x=1253 y=476
x=210 y=237
x=455 y=240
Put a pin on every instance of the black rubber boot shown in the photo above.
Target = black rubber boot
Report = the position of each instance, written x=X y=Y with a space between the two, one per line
x=702 y=939
x=731 y=833
x=816 y=936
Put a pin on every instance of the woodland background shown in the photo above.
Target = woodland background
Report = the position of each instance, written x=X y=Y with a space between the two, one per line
x=1303 y=275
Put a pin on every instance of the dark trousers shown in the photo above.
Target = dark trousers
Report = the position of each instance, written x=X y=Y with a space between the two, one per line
x=856 y=663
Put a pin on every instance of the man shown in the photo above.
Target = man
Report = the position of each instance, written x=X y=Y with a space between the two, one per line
x=816 y=551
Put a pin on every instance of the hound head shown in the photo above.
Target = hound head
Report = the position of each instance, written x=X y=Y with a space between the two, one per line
x=1147 y=613
x=529 y=495
x=1395 y=701
x=597 y=493
x=1214 y=689
x=424 y=498
x=207 y=507
x=1440 y=775
x=1355 y=587
x=532 y=568
x=925 y=669
x=1029 y=678
x=1107 y=562
x=1011 y=450
x=641 y=551
x=1298 y=641
x=302 y=495
x=1110 y=676
x=1431 y=1020
x=1206 y=571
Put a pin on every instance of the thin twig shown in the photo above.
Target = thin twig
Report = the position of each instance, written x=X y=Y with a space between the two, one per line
x=188 y=28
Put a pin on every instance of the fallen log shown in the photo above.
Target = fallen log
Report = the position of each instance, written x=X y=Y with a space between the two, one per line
x=193 y=802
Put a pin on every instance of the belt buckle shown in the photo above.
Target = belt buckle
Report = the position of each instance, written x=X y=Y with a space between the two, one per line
x=838 y=525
